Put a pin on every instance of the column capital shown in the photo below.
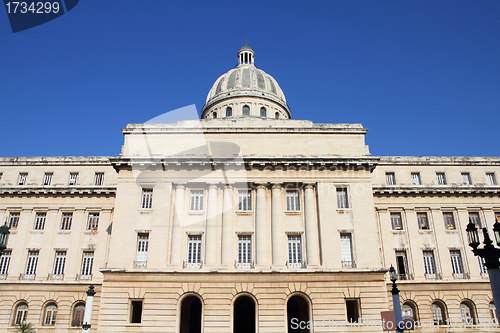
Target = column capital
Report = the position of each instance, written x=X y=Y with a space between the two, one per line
x=309 y=186
x=213 y=186
x=277 y=186
x=180 y=186
x=260 y=186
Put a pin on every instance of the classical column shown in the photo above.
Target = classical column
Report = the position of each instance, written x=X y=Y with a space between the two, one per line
x=177 y=236
x=277 y=226
x=262 y=234
x=87 y=315
x=312 y=236
x=211 y=226
x=227 y=227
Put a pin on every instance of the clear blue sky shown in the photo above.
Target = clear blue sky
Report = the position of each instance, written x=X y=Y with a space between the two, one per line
x=422 y=76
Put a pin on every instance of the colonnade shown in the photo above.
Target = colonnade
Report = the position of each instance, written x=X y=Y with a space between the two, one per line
x=269 y=234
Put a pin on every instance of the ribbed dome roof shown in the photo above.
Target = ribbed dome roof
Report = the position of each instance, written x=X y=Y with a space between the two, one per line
x=246 y=80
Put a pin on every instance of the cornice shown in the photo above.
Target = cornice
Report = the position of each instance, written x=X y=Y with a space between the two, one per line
x=357 y=163
x=55 y=160
x=58 y=190
x=408 y=190
x=440 y=160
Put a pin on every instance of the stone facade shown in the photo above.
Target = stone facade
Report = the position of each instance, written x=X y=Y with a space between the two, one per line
x=194 y=216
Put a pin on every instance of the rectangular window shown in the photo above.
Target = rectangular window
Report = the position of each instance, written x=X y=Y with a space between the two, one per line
x=93 y=221
x=194 y=249
x=449 y=220
x=456 y=263
x=147 y=198
x=474 y=218
x=136 y=312
x=31 y=263
x=87 y=263
x=402 y=265
x=352 y=309
x=14 y=220
x=466 y=180
x=99 y=178
x=390 y=178
x=482 y=266
x=73 y=178
x=244 y=249
x=415 y=178
x=4 y=262
x=142 y=247
x=244 y=200
x=346 y=250
x=342 y=199
x=491 y=179
x=40 y=221
x=47 y=178
x=66 y=220
x=441 y=178
x=423 y=221
x=396 y=221
x=497 y=216
x=429 y=264
x=295 y=249
x=292 y=200
x=59 y=263
x=22 y=178
x=196 y=200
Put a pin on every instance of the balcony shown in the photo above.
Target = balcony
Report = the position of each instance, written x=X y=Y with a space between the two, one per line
x=140 y=264
x=56 y=277
x=27 y=277
x=348 y=264
x=405 y=276
x=243 y=265
x=3 y=276
x=485 y=275
x=192 y=265
x=435 y=276
x=84 y=277
x=295 y=265
x=461 y=276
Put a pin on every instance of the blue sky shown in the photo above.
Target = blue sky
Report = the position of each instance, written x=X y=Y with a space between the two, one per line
x=422 y=76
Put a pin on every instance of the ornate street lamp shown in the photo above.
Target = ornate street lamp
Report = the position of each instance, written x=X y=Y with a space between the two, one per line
x=4 y=235
x=496 y=232
x=89 y=303
x=396 y=304
x=490 y=254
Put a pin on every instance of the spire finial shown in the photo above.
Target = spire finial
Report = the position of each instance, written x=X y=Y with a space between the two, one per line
x=246 y=40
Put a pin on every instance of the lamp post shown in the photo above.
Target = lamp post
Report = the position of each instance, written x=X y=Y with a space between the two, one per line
x=396 y=304
x=489 y=253
x=89 y=303
x=4 y=235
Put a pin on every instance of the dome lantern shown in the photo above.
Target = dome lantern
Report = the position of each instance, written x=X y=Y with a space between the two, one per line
x=246 y=56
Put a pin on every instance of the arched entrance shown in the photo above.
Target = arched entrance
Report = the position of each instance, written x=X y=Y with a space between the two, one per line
x=191 y=315
x=297 y=309
x=244 y=315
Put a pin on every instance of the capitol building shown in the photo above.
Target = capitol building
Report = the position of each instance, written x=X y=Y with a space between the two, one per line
x=245 y=220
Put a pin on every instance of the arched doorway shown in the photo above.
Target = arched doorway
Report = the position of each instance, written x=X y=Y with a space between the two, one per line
x=297 y=310
x=244 y=315
x=191 y=315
